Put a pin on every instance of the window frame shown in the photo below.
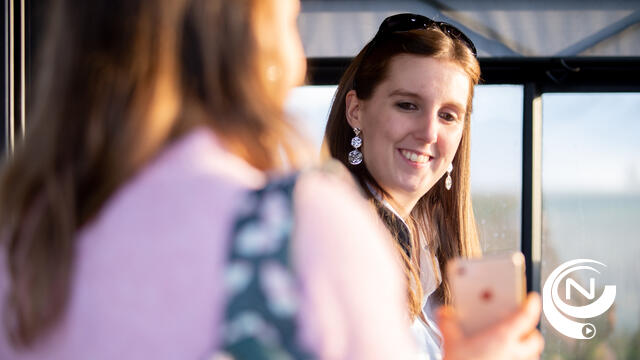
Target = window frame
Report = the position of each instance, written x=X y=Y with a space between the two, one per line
x=538 y=75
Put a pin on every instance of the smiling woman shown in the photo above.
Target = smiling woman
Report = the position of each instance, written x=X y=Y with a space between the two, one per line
x=408 y=96
x=410 y=92
x=411 y=126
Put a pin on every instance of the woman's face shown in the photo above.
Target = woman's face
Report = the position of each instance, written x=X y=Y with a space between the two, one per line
x=412 y=125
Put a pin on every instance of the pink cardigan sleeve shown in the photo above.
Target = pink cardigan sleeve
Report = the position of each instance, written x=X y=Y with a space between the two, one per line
x=354 y=302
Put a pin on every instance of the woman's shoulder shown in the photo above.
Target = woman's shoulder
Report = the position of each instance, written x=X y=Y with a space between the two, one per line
x=330 y=184
x=201 y=154
x=329 y=207
x=337 y=171
x=193 y=171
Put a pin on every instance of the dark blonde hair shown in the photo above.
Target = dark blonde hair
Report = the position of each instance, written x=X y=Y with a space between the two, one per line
x=119 y=80
x=444 y=218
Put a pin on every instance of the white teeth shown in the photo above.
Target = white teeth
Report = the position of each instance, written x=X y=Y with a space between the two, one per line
x=410 y=155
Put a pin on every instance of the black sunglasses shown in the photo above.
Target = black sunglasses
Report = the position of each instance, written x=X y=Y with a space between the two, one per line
x=408 y=22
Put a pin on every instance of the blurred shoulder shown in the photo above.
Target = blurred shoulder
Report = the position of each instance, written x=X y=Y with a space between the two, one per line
x=200 y=153
x=332 y=176
x=329 y=202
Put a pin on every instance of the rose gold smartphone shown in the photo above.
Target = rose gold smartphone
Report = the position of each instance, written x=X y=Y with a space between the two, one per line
x=486 y=290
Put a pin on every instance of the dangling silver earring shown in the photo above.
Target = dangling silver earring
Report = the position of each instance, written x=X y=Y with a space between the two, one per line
x=448 y=182
x=355 y=156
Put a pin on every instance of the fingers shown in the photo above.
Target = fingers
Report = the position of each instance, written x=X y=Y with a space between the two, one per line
x=524 y=320
x=448 y=324
x=533 y=345
x=531 y=314
x=514 y=338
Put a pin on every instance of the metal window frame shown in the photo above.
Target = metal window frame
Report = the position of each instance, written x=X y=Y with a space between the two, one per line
x=537 y=76
x=14 y=74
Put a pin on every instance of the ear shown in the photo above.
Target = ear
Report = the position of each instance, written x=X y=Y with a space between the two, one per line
x=352 y=109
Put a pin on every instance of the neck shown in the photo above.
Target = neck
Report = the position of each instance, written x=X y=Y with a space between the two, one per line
x=402 y=206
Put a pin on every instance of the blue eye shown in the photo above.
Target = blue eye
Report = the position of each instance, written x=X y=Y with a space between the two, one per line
x=406 y=106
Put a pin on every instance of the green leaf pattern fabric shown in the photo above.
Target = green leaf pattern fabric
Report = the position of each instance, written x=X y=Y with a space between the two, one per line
x=262 y=289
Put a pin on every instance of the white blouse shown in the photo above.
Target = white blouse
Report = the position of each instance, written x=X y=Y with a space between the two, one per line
x=427 y=335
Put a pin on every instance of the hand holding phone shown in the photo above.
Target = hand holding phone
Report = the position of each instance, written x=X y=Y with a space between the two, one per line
x=515 y=337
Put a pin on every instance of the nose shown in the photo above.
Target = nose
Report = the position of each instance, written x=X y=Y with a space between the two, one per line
x=427 y=128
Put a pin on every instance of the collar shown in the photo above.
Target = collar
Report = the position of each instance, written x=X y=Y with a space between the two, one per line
x=385 y=203
x=393 y=221
x=431 y=279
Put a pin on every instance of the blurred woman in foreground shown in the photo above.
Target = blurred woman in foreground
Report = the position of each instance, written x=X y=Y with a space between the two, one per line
x=152 y=121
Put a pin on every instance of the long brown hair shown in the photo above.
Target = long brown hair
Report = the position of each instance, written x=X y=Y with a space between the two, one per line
x=443 y=218
x=119 y=80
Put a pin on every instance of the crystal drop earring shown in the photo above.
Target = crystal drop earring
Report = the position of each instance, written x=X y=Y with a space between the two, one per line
x=448 y=181
x=355 y=156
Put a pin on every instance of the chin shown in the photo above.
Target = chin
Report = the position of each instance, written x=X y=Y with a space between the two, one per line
x=413 y=189
x=414 y=184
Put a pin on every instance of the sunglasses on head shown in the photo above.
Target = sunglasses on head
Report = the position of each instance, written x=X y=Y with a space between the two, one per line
x=408 y=22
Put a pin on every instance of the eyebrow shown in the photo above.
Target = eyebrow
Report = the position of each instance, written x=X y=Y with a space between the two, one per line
x=403 y=92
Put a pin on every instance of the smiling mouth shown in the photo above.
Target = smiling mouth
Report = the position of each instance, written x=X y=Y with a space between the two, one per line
x=414 y=156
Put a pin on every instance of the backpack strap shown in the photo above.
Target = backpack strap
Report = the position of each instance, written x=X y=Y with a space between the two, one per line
x=262 y=289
